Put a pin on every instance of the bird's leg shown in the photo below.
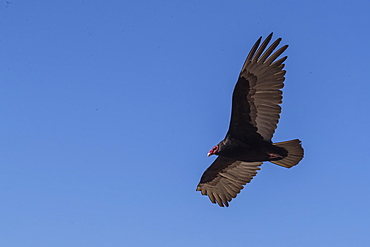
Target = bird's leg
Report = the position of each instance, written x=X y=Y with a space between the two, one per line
x=275 y=156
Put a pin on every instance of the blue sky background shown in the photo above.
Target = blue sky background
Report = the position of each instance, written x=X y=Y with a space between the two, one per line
x=108 y=109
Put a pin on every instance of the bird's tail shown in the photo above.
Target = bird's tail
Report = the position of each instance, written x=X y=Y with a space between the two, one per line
x=295 y=153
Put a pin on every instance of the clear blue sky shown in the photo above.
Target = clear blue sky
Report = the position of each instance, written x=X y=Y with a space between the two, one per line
x=108 y=109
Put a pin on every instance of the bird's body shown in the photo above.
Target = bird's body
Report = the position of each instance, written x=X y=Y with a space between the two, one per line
x=250 y=151
x=254 y=117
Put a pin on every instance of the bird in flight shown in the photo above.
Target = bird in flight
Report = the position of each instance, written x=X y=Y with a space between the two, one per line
x=254 y=116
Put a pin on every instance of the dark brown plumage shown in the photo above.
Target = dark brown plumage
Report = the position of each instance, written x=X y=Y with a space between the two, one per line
x=255 y=113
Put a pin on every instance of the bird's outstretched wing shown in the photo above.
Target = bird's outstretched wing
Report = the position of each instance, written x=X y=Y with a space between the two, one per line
x=257 y=95
x=225 y=178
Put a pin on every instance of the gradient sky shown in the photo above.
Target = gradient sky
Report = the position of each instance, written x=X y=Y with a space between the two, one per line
x=108 y=109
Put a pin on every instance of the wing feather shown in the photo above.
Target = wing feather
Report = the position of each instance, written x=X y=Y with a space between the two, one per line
x=262 y=48
x=225 y=178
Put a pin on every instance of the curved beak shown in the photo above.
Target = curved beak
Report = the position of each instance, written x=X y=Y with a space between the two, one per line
x=209 y=154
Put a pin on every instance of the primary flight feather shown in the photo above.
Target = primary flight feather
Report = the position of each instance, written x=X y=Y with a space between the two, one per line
x=255 y=113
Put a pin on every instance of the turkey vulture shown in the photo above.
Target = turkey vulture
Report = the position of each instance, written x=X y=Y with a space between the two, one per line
x=255 y=113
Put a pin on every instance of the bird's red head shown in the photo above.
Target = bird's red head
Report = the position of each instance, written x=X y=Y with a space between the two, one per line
x=214 y=150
